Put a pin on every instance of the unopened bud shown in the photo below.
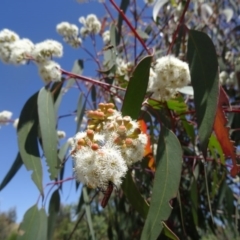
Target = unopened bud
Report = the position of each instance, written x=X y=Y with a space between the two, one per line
x=95 y=147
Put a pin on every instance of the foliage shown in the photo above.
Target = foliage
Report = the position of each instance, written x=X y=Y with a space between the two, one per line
x=154 y=127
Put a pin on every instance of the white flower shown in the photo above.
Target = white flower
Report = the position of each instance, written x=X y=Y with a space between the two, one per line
x=5 y=116
x=20 y=51
x=15 y=123
x=8 y=36
x=97 y=168
x=70 y=34
x=61 y=134
x=49 y=71
x=223 y=76
x=46 y=50
x=91 y=25
x=171 y=73
x=5 y=51
x=106 y=37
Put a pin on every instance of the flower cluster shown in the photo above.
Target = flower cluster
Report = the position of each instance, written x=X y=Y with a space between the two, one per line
x=91 y=25
x=5 y=116
x=70 y=34
x=123 y=68
x=169 y=75
x=106 y=37
x=107 y=148
x=18 y=51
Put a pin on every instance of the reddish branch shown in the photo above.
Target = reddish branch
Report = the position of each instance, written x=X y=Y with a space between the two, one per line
x=179 y=25
x=130 y=26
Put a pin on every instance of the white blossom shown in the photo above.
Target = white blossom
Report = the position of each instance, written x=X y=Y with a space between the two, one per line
x=9 y=36
x=49 y=71
x=171 y=73
x=91 y=25
x=20 y=51
x=106 y=37
x=70 y=33
x=47 y=49
x=5 y=116
x=103 y=152
x=61 y=134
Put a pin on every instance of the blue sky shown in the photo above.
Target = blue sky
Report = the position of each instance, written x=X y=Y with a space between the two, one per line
x=37 y=21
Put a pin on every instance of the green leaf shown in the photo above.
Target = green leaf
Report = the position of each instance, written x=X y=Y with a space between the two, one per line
x=215 y=146
x=77 y=69
x=80 y=111
x=134 y=196
x=94 y=96
x=34 y=224
x=166 y=183
x=88 y=212
x=168 y=232
x=124 y=5
x=28 y=140
x=142 y=34
x=47 y=121
x=137 y=88
x=13 y=170
x=204 y=77
x=194 y=201
x=177 y=105
x=53 y=209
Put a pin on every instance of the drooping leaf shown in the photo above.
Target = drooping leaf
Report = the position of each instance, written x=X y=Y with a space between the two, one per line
x=12 y=171
x=77 y=69
x=134 y=196
x=137 y=88
x=222 y=131
x=28 y=140
x=194 y=201
x=166 y=183
x=34 y=224
x=80 y=111
x=94 y=96
x=47 y=121
x=53 y=209
x=156 y=8
x=88 y=212
x=123 y=6
x=204 y=77
x=168 y=232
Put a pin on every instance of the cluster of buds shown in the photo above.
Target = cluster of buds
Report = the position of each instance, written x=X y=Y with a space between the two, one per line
x=111 y=144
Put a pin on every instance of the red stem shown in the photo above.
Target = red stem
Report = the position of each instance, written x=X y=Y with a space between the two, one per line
x=130 y=26
x=178 y=26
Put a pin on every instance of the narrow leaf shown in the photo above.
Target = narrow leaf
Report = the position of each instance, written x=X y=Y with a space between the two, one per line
x=54 y=207
x=137 y=88
x=47 y=121
x=158 y=5
x=166 y=183
x=13 y=170
x=168 y=232
x=28 y=140
x=80 y=110
x=134 y=196
x=124 y=5
x=88 y=212
x=222 y=131
x=77 y=69
x=34 y=224
x=204 y=76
